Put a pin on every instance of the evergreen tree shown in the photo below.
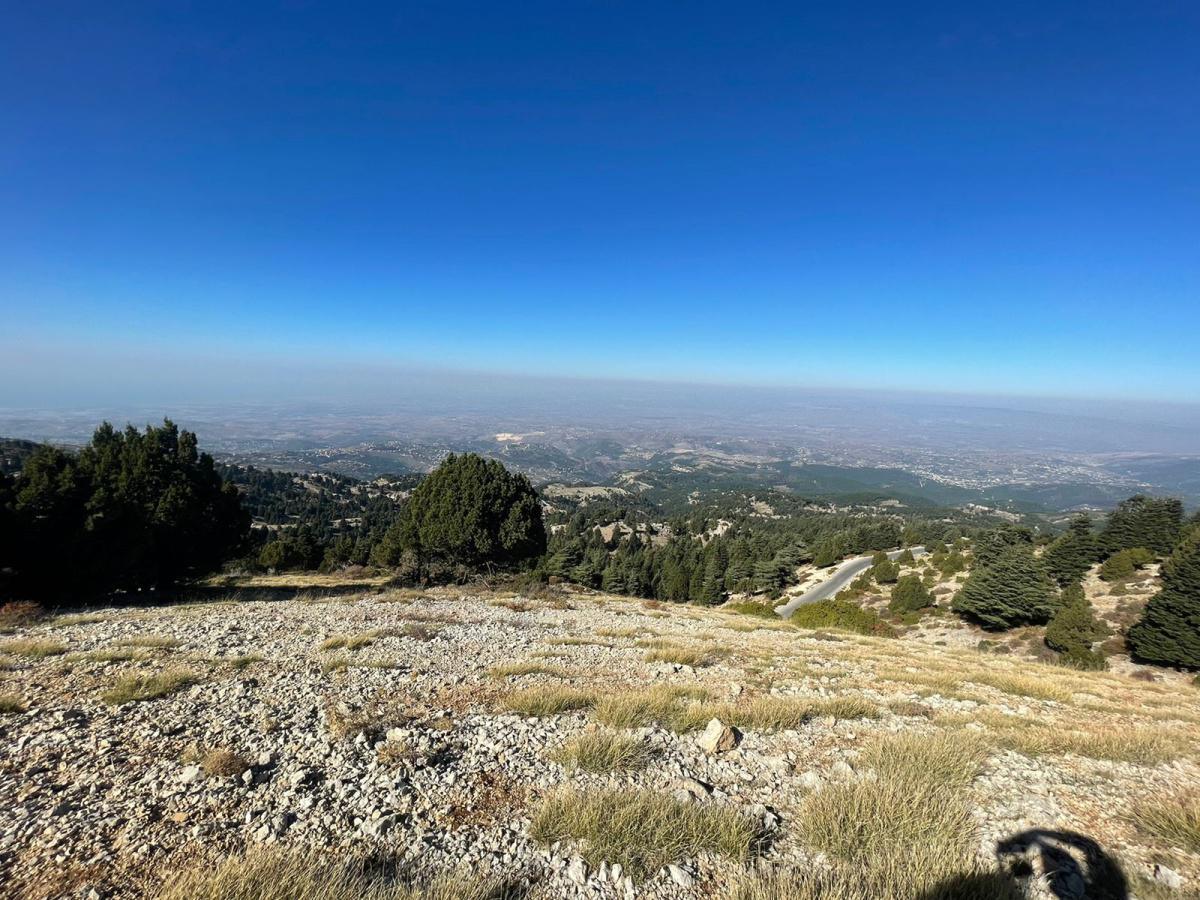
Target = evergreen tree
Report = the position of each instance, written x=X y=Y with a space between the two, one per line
x=1152 y=522
x=910 y=595
x=1070 y=556
x=473 y=512
x=991 y=544
x=1013 y=590
x=132 y=510
x=1169 y=630
x=1073 y=630
x=885 y=572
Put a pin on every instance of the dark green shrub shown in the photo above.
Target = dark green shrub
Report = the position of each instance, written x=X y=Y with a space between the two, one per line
x=131 y=511
x=910 y=595
x=885 y=572
x=840 y=614
x=1082 y=658
x=1124 y=563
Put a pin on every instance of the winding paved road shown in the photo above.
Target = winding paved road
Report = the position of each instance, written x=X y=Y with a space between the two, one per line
x=844 y=574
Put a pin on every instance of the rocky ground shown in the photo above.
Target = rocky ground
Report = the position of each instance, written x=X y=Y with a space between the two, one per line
x=379 y=721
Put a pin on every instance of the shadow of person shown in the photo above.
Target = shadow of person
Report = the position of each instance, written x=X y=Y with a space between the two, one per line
x=1071 y=866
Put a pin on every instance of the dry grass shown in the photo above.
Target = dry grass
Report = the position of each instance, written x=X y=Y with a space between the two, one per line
x=576 y=642
x=681 y=656
x=687 y=709
x=1175 y=820
x=242 y=661
x=907 y=829
x=109 y=655
x=223 y=763
x=149 y=642
x=843 y=883
x=280 y=875
x=76 y=619
x=513 y=604
x=346 y=722
x=10 y=703
x=660 y=704
x=642 y=830
x=138 y=688
x=1145 y=746
x=1023 y=686
x=352 y=641
x=620 y=632
x=549 y=701
x=32 y=648
x=517 y=669
x=602 y=752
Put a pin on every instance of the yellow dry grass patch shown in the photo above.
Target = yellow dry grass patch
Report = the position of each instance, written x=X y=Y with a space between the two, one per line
x=308 y=875
x=642 y=830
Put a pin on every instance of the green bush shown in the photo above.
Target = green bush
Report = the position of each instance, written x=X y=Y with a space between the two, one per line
x=906 y=558
x=1124 y=563
x=885 y=572
x=840 y=614
x=910 y=595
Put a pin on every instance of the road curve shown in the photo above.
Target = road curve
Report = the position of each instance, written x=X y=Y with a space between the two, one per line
x=842 y=576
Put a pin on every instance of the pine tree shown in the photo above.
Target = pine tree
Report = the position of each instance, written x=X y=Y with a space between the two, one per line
x=473 y=511
x=1070 y=556
x=1169 y=630
x=990 y=544
x=1152 y=522
x=1014 y=590
x=1073 y=630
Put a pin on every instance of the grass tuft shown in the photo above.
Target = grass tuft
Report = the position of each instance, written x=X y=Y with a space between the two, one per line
x=138 y=688
x=149 y=642
x=655 y=705
x=31 y=648
x=281 y=875
x=603 y=751
x=1175 y=820
x=517 y=669
x=909 y=828
x=642 y=830
x=223 y=762
x=10 y=703
x=549 y=701
x=681 y=656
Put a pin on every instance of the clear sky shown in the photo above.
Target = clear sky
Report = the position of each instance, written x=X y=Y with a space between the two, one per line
x=951 y=196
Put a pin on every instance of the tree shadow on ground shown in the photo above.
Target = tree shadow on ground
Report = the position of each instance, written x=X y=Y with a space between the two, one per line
x=1072 y=866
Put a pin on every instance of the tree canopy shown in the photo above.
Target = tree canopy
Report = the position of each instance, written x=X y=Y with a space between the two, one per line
x=472 y=511
x=132 y=510
x=1152 y=522
x=1169 y=630
x=1013 y=590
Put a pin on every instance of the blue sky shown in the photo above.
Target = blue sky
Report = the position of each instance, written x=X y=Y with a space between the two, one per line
x=928 y=196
